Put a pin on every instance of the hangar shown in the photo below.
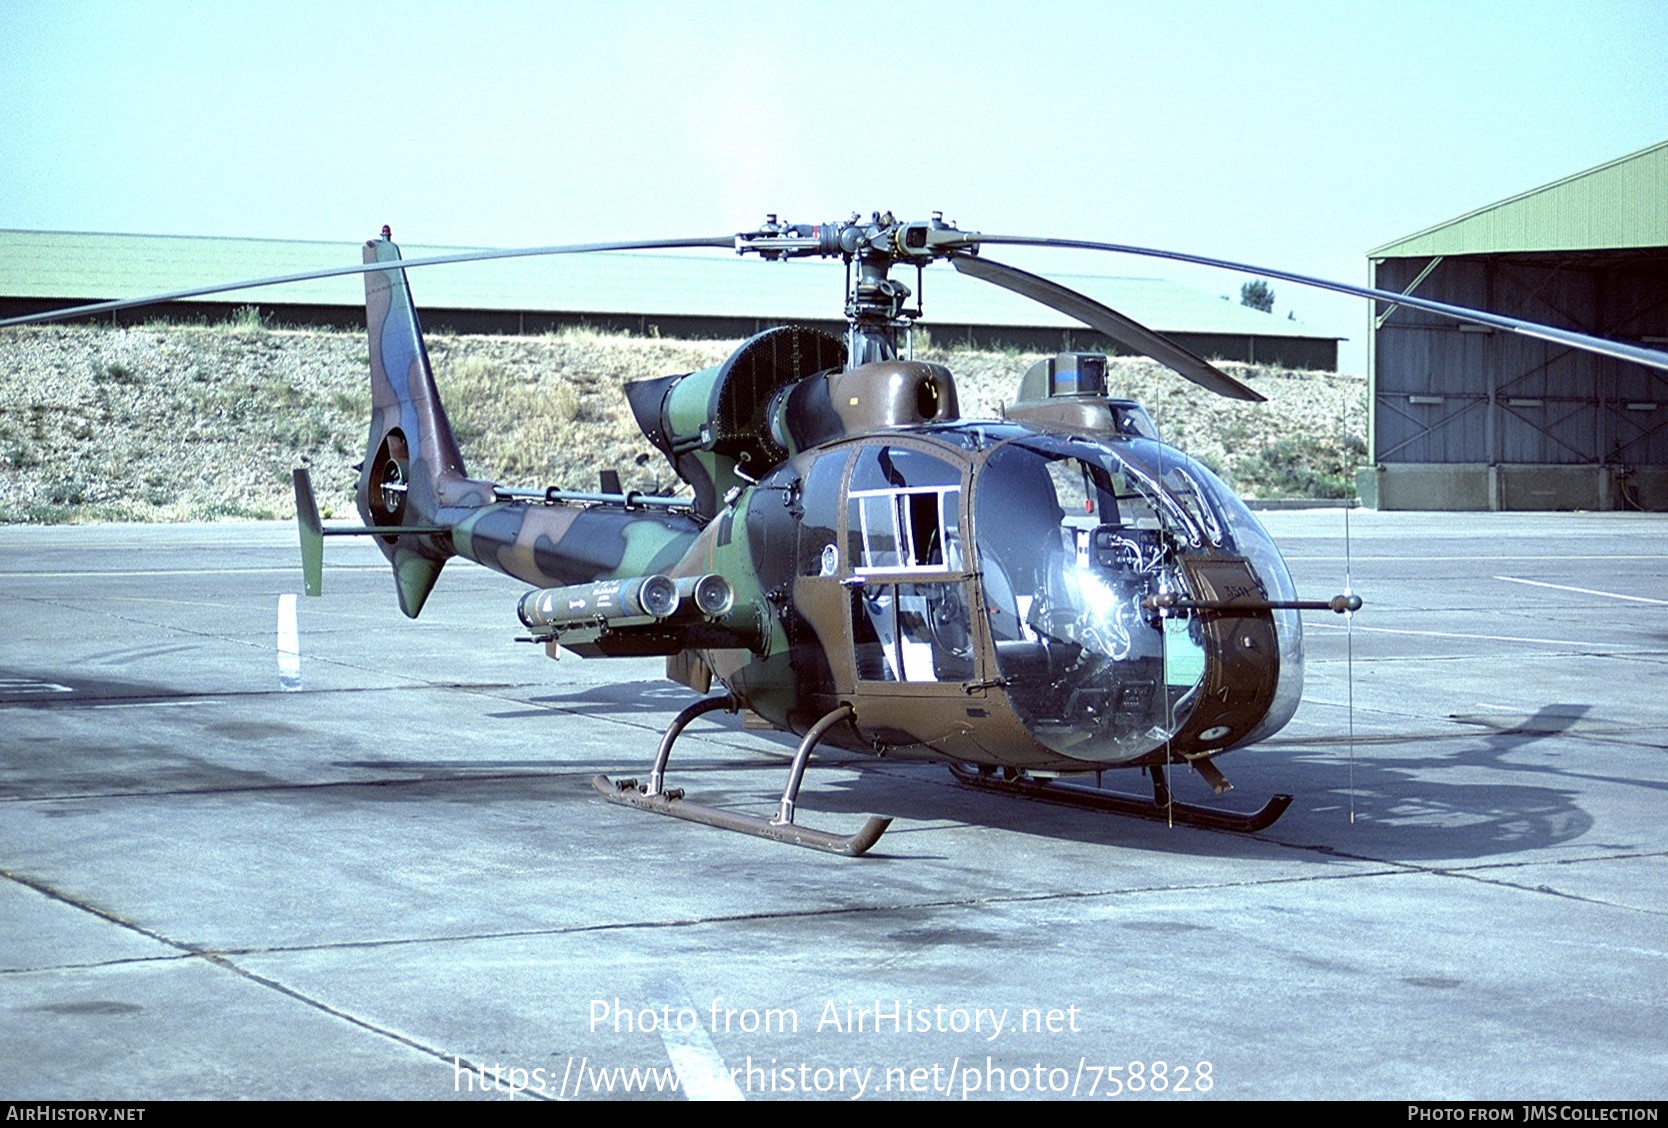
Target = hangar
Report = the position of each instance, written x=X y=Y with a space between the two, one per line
x=666 y=294
x=1466 y=418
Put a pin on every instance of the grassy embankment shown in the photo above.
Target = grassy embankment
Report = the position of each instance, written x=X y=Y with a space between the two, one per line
x=184 y=423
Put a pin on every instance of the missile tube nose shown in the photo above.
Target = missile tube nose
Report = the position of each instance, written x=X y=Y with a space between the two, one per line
x=657 y=596
x=710 y=594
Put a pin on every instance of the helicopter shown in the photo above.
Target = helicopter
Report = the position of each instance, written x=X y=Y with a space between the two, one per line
x=1050 y=594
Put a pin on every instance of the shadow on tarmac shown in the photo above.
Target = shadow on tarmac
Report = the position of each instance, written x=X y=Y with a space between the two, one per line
x=1415 y=813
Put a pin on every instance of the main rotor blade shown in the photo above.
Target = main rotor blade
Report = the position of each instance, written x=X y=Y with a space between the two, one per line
x=728 y=242
x=1110 y=323
x=1583 y=341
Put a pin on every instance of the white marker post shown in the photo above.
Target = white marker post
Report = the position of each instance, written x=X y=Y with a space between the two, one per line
x=289 y=644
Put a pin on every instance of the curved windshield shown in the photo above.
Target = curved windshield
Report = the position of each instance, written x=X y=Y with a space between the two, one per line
x=1244 y=534
x=1072 y=536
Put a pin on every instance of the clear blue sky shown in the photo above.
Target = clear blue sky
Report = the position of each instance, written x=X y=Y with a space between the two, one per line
x=1297 y=135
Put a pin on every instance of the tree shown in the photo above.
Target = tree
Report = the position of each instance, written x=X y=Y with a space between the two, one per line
x=1257 y=295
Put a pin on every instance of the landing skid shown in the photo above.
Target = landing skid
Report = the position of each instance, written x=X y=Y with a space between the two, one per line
x=657 y=799
x=629 y=792
x=1161 y=807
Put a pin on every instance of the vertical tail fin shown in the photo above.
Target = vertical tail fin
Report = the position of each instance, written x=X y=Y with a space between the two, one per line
x=413 y=473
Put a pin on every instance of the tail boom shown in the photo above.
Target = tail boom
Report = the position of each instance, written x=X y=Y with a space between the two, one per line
x=420 y=505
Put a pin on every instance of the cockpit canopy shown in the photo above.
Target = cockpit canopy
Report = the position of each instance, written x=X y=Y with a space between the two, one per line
x=1069 y=536
x=1072 y=536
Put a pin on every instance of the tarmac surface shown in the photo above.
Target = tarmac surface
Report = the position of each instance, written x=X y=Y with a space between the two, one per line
x=394 y=880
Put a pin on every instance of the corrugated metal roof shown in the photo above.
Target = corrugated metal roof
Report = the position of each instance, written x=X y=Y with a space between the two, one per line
x=1622 y=203
x=84 y=266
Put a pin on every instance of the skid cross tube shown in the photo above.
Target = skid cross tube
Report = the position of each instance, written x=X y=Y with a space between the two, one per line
x=657 y=799
x=802 y=757
x=657 y=774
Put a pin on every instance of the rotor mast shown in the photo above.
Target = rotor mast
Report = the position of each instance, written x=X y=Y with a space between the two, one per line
x=878 y=315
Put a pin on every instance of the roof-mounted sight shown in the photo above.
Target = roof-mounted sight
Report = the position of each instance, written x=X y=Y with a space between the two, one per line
x=1071 y=391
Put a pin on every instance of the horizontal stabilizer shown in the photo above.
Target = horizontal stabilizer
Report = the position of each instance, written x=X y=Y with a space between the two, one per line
x=313 y=532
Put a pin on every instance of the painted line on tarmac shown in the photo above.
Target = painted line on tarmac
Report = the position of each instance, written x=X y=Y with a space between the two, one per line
x=31 y=686
x=1575 y=642
x=700 y=1067
x=1458 y=558
x=192 y=703
x=1584 y=591
x=34 y=702
x=184 y=572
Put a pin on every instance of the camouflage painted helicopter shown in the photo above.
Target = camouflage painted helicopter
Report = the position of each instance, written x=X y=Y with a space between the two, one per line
x=1051 y=593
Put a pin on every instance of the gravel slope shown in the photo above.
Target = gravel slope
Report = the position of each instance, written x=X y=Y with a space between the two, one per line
x=171 y=423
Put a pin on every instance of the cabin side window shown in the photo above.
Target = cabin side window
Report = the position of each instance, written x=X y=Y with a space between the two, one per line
x=910 y=619
x=903 y=512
